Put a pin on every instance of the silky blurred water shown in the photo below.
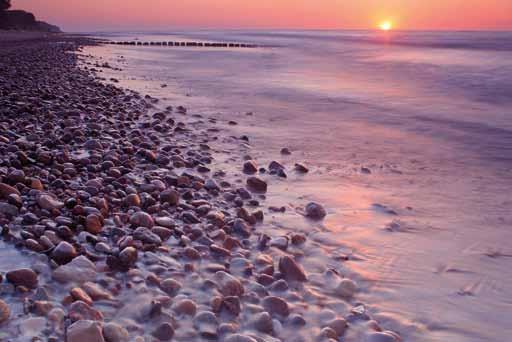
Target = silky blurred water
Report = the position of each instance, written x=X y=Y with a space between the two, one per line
x=428 y=113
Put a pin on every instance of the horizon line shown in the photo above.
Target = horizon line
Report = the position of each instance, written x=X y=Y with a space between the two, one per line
x=165 y=30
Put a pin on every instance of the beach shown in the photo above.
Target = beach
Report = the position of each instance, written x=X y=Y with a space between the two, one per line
x=407 y=138
x=119 y=224
x=300 y=190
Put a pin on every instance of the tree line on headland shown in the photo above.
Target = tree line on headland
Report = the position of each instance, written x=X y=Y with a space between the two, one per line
x=5 y=5
x=21 y=20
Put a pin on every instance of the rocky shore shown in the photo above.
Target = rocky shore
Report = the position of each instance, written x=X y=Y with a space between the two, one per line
x=133 y=231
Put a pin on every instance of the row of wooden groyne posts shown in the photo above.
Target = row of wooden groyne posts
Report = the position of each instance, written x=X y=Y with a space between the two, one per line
x=185 y=44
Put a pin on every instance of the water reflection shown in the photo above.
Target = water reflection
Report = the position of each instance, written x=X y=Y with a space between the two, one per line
x=426 y=231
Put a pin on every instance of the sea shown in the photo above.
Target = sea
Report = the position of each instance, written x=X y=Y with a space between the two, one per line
x=408 y=137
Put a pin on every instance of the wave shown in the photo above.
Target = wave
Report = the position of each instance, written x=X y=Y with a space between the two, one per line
x=471 y=40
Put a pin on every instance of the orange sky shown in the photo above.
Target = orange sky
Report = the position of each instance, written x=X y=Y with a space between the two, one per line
x=86 y=15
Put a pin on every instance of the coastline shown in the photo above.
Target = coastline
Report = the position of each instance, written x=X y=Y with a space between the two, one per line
x=177 y=249
x=427 y=228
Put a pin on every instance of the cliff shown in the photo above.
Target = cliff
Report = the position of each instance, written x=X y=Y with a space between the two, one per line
x=21 y=20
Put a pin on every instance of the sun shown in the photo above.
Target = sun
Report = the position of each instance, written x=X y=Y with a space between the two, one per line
x=386 y=25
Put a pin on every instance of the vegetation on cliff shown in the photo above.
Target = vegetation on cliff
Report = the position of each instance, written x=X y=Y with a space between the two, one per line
x=21 y=20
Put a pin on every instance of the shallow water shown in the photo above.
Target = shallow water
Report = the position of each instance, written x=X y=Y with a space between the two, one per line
x=427 y=113
x=12 y=258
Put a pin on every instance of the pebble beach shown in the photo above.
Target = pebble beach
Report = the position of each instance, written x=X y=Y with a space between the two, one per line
x=120 y=223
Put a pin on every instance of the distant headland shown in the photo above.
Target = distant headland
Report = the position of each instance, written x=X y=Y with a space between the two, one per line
x=22 y=20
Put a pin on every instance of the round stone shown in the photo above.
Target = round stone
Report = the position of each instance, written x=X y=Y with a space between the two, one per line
x=47 y=202
x=229 y=285
x=132 y=200
x=263 y=322
x=64 y=253
x=170 y=286
x=239 y=338
x=142 y=219
x=285 y=151
x=256 y=184
x=128 y=256
x=84 y=330
x=339 y=325
x=206 y=323
x=275 y=305
x=383 y=336
x=250 y=167
x=315 y=211
x=23 y=277
x=170 y=196
x=185 y=307
x=346 y=288
x=291 y=270
x=164 y=332
x=5 y=311
x=93 y=224
x=301 y=168
x=115 y=333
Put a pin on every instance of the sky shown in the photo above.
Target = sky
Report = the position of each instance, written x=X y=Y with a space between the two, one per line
x=119 y=15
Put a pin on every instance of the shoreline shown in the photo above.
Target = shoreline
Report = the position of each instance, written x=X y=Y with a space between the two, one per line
x=101 y=181
x=428 y=227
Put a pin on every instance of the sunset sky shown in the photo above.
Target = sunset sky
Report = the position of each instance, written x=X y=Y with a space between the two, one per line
x=90 y=15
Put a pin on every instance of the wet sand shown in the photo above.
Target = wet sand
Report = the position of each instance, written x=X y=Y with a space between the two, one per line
x=122 y=220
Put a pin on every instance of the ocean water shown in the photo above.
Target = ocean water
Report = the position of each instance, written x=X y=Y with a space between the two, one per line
x=429 y=114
